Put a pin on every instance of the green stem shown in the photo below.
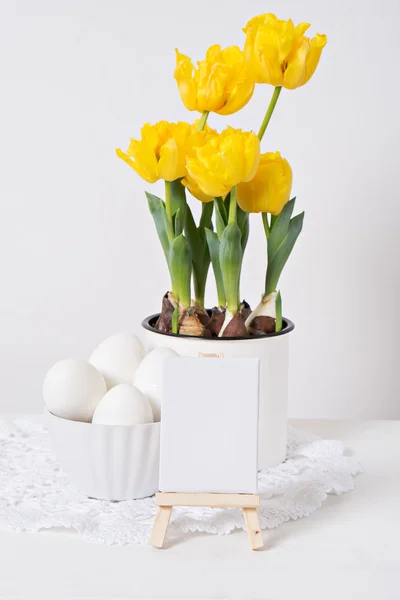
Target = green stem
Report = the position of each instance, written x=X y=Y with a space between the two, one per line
x=278 y=311
x=269 y=112
x=266 y=225
x=203 y=120
x=232 y=206
x=168 y=210
x=273 y=219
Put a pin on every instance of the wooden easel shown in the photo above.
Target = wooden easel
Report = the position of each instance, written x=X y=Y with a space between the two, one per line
x=247 y=502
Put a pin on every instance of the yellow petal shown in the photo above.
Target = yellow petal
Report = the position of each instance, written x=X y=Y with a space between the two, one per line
x=270 y=188
x=149 y=135
x=195 y=190
x=270 y=44
x=295 y=74
x=255 y=22
x=238 y=83
x=168 y=164
x=237 y=97
x=144 y=155
x=184 y=78
x=314 y=54
x=211 y=87
x=142 y=172
x=212 y=53
x=301 y=28
x=208 y=182
x=251 y=196
x=251 y=156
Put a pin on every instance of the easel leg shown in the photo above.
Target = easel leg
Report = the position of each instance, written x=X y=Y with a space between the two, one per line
x=160 y=526
x=253 y=528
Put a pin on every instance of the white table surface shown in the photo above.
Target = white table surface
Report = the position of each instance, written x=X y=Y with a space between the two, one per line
x=348 y=550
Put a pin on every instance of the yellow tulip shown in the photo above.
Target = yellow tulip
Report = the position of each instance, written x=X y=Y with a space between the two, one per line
x=221 y=83
x=198 y=138
x=279 y=53
x=161 y=152
x=270 y=188
x=223 y=161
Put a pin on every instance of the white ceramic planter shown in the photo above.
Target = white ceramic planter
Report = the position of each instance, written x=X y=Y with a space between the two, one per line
x=273 y=352
x=106 y=461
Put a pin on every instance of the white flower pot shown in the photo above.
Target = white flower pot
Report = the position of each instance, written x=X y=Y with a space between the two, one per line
x=273 y=351
x=107 y=462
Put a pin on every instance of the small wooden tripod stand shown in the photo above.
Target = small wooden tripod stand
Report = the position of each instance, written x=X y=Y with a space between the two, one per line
x=247 y=502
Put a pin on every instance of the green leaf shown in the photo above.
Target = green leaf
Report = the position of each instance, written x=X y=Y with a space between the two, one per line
x=192 y=236
x=279 y=228
x=244 y=226
x=178 y=198
x=175 y=320
x=278 y=260
x=157 y=210
x=230 y=257
x=178 y=222
x=221 y=218
x=213 y=247
x=200 y=255
x=180 y=261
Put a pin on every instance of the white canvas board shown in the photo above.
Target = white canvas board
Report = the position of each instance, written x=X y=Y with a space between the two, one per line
x=209 y=425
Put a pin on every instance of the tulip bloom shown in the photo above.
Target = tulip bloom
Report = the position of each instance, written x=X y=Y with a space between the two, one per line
x=270 y=188
x=279 y=53
x=195 y=190
x=221 y=83
x=162 y=151
x=225 y=160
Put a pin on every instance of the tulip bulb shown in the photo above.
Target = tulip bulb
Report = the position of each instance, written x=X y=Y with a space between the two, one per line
x=234 y=324
x=262 y=325
x=235 y=327
x=266 y=308
x=245 y=309
x=216 y=321
x=190 y=323
x=227 y=319
x=164 y=321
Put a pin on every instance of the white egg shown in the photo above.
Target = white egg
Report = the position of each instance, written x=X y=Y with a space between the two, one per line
x=117 y=358
x=123 y=405
x=149 y=377
x=72 y=389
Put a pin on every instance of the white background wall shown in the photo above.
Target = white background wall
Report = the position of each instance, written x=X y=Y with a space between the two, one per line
x=79 y=257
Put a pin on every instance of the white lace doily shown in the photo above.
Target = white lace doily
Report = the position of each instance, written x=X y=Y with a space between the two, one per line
x=35 y=494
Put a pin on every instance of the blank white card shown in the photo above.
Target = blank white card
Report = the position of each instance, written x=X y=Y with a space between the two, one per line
x=209 y=425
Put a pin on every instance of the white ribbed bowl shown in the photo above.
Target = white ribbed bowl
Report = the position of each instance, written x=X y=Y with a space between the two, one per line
x=108 y=462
